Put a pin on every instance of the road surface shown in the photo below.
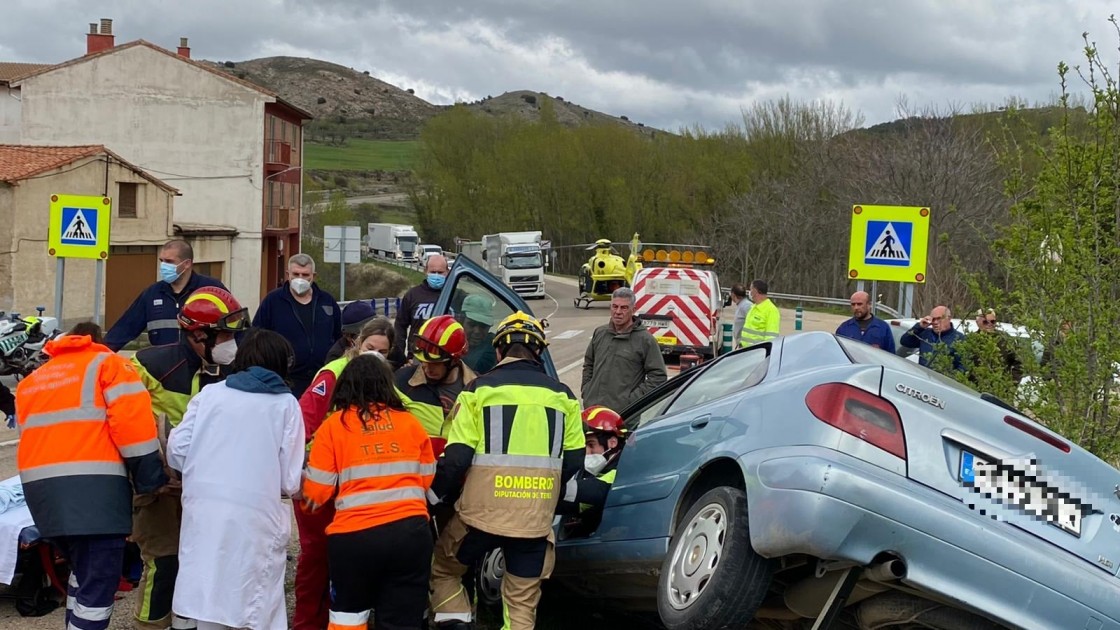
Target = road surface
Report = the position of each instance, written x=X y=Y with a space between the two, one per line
x=387 y=199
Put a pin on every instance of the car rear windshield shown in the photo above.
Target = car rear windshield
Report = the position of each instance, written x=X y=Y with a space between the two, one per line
x=862 y=353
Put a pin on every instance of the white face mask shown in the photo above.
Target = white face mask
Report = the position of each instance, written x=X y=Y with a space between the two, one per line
x=224 y=352
x=301 y=286
x=594 y=463
x=376 y=353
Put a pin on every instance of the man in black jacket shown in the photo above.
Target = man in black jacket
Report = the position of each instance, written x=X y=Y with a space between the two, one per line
x=419 y=303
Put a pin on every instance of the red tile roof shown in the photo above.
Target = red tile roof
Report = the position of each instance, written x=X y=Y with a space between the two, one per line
x=147 y=44
x=10 y=70
x=22 y=161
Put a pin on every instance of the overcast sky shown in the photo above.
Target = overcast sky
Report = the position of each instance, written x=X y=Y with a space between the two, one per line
x=668 y=63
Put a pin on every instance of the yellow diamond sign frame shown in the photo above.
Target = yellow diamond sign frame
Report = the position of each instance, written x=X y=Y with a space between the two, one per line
x=79 y=226
x=889 y=243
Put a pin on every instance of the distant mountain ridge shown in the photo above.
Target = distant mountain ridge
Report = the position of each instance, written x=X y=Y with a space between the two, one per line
x=348 y=103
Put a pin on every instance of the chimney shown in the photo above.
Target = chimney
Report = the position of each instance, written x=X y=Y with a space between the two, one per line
x=184 y=49
x=96 y=41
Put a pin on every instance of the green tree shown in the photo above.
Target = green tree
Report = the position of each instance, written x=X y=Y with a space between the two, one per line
x=1059 y=254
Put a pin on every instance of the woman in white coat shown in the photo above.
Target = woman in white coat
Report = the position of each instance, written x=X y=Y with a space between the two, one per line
x=239 y=448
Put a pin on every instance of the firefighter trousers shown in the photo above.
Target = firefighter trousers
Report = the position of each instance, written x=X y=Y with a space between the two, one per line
x=95 y=572
x=527 y=562
x=155 y=529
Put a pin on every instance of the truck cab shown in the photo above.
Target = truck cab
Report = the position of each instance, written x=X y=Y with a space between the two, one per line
x=516 y=258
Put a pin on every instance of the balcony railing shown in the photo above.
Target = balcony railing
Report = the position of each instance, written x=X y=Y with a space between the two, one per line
x=279 y=154
x=280 y=218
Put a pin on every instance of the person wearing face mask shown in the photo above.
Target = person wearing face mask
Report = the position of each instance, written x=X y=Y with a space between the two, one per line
x=173 y=375
x=419 y=303
x=586 y=493
x=312 y=581
x=305 y=315
x=157 y=307
x=429 y=389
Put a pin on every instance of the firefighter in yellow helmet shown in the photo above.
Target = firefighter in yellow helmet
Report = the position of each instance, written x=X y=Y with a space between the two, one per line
x=516 y=439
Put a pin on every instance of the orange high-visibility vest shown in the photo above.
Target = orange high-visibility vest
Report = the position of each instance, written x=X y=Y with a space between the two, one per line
x=86 y=426
x=377 y=474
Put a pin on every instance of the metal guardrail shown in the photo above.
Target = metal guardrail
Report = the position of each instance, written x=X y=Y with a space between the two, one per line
x=790 y=297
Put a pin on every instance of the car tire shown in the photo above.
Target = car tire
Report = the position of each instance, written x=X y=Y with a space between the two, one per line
x=711 y=577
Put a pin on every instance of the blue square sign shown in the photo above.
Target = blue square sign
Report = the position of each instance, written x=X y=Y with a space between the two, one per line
x=888 y=243
x=79 y=226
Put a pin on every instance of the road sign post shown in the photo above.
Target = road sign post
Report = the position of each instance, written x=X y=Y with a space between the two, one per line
x=342 y=244
x=79 y=228
x=889 y=243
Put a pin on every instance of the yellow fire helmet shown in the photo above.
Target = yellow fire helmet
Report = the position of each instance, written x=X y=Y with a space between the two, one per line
x=520 y=327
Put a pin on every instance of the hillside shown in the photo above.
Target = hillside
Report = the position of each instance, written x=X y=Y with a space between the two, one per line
x=348 y=103
x=527 y=105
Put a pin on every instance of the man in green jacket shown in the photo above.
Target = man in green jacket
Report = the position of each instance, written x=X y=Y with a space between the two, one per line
x=623 y=360
x=763 y=320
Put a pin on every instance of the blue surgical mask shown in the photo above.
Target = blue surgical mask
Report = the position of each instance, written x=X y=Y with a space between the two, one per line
x=169 y=272
x=436 y=281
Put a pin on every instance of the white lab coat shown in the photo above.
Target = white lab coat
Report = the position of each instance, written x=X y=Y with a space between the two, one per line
x=238 y=452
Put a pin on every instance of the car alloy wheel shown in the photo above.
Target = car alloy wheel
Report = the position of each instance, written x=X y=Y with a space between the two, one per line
x=489 y=584
x=696 y=558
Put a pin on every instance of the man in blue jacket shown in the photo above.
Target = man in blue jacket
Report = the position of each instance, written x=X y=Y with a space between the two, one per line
x=156 y=309
x=864 y=326
x=305 y=315
x=934 y=337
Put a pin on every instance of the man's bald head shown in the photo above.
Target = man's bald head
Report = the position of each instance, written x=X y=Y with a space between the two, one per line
x=940 y=318
x=861 y=305
x=437 y=263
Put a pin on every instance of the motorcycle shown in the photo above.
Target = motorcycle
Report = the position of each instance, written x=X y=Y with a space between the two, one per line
x=22 y=341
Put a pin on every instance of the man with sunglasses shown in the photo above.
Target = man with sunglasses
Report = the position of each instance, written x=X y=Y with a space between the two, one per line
x=934 y=337
x=173 y=375
x=987 y=323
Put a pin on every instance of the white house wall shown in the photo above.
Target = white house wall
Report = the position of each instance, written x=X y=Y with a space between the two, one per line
x=9 y=115
x=195 y=130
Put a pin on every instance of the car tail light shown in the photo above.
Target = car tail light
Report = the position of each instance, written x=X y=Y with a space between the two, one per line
x=862 y=414
x=1037 y=432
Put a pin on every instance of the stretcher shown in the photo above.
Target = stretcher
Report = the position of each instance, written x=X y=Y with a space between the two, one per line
x=31 y=566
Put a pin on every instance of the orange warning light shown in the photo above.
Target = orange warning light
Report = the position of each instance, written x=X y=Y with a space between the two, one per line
x=919 y=277
x=662 y=255
x=924 y=212
x=857 y=209
x=853 y=273
x=51 y=251
x=54 y=198
x=647 y=255
x=105 y=201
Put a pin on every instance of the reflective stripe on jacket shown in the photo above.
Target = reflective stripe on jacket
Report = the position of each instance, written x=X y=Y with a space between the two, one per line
x=155 y=310
x=86 y=426
x=173 y=375
x=377 y=474
x=763 y=323
x=431 y=404
x=519 y=422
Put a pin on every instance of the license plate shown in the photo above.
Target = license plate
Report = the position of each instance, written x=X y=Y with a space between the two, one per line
x=666 y=341
x=1014 y=487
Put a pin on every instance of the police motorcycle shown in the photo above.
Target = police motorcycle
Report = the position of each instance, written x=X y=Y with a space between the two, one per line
x=22 y=340
x=606 y=271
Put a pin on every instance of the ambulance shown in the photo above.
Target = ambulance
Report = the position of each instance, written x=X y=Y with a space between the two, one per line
x=677 y=296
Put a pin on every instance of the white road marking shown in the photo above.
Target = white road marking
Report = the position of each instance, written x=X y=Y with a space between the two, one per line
x=10 y=442
x=568 y=368
x=567 y=334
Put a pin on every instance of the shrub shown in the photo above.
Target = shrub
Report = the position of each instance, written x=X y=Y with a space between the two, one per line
x=341 y=181
x=321 y=100
x=529 y=98
x=411 y=91
x=229 y=64
x=624 y=118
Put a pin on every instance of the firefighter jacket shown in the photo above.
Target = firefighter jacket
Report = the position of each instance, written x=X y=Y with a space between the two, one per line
x=377 y=473
x=85 y=423
x=432 y=403
x=517 y=435
x=173 y=375
x=156 y=310
x=763 y=322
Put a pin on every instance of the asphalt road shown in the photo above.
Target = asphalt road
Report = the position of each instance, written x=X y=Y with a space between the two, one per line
x=569 y=329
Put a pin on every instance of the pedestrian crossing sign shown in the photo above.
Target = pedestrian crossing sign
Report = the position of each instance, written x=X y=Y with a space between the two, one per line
x=888 y=243
x=79 y=226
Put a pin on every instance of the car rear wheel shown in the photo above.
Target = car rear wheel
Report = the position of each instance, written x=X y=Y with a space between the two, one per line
x=488 y=584
x=711 y=577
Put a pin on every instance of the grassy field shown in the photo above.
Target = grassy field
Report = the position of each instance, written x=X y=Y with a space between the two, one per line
x=362 y=155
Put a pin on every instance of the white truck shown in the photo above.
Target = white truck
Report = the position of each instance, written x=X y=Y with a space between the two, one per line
x=516 y=258
x=392 y=240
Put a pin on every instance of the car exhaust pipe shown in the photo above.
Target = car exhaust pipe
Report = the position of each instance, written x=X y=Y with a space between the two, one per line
x=889 y=571
x=808 y=597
